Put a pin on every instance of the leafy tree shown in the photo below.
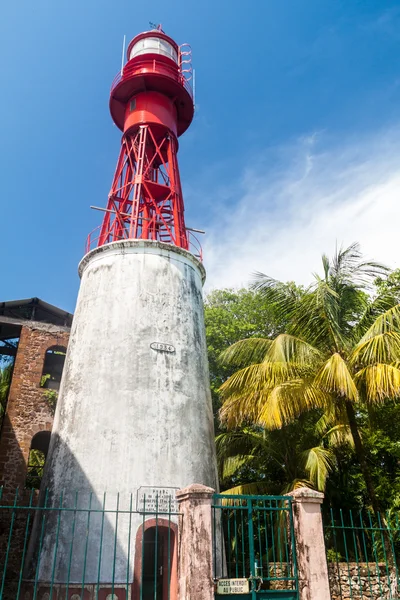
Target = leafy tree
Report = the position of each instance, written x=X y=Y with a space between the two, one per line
x=232 y=315
x=341 y=352
x=252 y=460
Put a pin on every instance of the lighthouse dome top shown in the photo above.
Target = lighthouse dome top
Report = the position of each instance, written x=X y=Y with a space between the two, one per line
x=153 y=42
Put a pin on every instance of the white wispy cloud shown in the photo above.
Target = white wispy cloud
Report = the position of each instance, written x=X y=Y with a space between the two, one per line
x=319 y=192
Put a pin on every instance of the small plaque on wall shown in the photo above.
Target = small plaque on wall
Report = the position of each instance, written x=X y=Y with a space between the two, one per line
x=161 y=347
x=232 y=586
x=156 y=499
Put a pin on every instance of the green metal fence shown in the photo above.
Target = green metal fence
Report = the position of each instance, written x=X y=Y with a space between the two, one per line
x=253 y=539
x=84 y=546
x=363 y=551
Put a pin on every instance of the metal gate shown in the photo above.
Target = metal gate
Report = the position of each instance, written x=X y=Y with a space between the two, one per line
x=254 y=547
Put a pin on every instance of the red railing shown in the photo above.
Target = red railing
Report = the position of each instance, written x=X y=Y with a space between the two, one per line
x=194 y=243
x=135 y=67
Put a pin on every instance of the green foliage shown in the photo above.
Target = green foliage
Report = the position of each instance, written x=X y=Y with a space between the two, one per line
x=273 y=462
x=338 y=364
x=36 y=463
x=5 y=382
x=51 y=397
x=231 y=316
x=44 y=378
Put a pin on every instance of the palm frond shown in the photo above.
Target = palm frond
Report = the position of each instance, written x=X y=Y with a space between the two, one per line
x=335 y=377
x=295 y=485
x=380 y=348
x=316 y=318
x=292 y=351
x=247 y=489
x=339 y=435
x=373 y=309
x=287 y=401
x=281 y=295
x=349 y=268
x=326 y=420
x=232 y=464
x=318 y=462
x=238 y=442
x=258 y=377
x=380 y=382
x=388 y=321
x=245 y=352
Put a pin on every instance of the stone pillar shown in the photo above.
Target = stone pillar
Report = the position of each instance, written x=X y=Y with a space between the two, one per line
x=195 y=543
x=310 y=545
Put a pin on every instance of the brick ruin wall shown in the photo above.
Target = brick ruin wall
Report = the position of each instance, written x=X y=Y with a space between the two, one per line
x=28 y=412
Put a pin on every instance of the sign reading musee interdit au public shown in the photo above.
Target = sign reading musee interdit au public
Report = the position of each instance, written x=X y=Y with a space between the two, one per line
x=233 y=586
x=156 y=499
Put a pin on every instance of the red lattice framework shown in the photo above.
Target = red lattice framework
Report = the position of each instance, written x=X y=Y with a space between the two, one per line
x=145 y=201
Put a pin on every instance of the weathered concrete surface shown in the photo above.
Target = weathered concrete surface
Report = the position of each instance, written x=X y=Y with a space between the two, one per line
x=310 y=545
x=129 y=415
x=195 y=543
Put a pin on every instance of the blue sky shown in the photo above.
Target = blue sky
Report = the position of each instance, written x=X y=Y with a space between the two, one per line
x=295 y=142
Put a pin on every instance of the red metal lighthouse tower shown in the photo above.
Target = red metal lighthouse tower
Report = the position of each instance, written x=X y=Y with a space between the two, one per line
x=152 y=103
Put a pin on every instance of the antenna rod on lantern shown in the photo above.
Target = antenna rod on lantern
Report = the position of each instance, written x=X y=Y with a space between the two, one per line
x=123 y=54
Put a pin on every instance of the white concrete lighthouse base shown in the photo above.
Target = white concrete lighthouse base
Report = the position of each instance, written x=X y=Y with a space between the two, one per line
x=134 y=408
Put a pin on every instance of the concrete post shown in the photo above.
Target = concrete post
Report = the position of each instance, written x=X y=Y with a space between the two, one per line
x=310 y=545
x=195 y=543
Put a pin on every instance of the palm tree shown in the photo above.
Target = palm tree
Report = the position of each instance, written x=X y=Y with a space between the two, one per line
x=245 y=455
x=342 y=348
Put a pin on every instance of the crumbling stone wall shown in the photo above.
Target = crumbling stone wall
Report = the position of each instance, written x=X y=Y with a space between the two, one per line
x=28 y=412
x=361 y=581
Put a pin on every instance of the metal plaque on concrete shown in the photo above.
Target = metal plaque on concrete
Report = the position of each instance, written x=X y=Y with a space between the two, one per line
x=156 y=500
x=233 y=586
x=161 y=347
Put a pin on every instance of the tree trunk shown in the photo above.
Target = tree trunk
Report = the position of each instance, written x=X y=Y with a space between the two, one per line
x=359 y=448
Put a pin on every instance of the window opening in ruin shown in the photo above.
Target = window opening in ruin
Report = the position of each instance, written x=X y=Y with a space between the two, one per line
x=8 y=351
x=37 y=458
x=53 y=367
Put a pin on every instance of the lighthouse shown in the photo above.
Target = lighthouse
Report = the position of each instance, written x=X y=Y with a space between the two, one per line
x=134 y=415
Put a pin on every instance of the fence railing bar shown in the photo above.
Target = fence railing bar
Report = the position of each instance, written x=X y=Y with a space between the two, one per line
x=86 y=510
x=169 y=548
x=243 y=544
x=72 y=544
x=26 y=536
x=346 y=553
x=3 y=579
x=375 y=553
x=129 y=550
x=271 y=514
x=101 y=545
x=383 y=542
x=56 y=546
x=356 y=552
x=259 y=544
x=365 y=552
x=115 y=548
x=40 y=548
x=86 y=546
x=156 y=555
x=143 y=532
x=236 y=545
